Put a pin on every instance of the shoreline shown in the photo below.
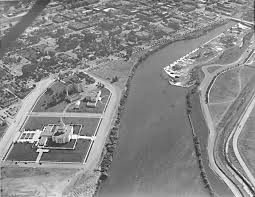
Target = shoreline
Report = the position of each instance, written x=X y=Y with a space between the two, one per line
x=112 y=139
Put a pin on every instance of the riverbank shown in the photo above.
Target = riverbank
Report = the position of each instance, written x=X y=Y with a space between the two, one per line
x=111 y=144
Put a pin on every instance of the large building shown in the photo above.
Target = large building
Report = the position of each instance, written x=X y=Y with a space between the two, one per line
x=59 y=134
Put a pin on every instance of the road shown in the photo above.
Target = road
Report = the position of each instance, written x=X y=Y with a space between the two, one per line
x=27 y=105
x=66 y=114
x=99 y=140
x=205 y=84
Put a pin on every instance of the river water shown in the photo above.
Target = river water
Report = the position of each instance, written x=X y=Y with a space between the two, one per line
x=155 y=154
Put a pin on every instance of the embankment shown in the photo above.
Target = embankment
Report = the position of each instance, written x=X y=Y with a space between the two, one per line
x=111 y=144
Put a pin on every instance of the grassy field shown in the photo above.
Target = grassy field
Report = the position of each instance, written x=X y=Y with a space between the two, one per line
x=46 y=104
x=114 y=68
x=2 y=130
x=246 y=74
x=246 y=143
x=34 y=123
x=76 y=155
x=89 y=125
x=69 y=145
x=98 y=109
x=22 y=152
x=226 y=87
x=213 y=68
x=217 y=110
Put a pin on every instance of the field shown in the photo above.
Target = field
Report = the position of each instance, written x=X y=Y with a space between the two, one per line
x=29 y=182
x=118 y=68
x=52 y=145
x=231 y=55
x=34 y=123
x=246 y=143
x=22 y=152
x=52 y=100
x=217 y=110
x=76 y=155
x=98 y=109
x=226 y=87
x=89 y=125
x=77 y=129
x=246 y=74
x=213 y=68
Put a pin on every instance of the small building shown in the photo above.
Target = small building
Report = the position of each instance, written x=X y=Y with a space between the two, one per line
x=93 y=98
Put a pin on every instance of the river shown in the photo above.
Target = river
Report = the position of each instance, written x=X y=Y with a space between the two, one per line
x=155 y=154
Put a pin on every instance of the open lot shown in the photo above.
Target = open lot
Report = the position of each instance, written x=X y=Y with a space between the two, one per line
x=22 y=152
x=53 y=100
x=76 y=155
x=213 y=68
x=29 y=182
x=98 y=109
x=226 y=87
x=89 y=125
x=217 y=111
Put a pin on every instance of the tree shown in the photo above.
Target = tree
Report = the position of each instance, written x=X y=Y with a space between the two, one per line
x=114 y=79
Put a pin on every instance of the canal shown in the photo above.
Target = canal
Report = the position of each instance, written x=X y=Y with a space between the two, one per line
x=155 y=154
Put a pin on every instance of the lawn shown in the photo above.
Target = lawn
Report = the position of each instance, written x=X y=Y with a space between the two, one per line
x=77 y=129
x=217 y=110
x=53 y=100
x=22 y=152
x=114 y=68
x=246 y=142
x=98 y=109
x=226 y=87
x=34 y=122
x=53 y=145
x=76 y=155
x=89 y=125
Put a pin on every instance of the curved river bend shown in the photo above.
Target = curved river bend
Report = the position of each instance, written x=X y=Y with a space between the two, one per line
x=155 y=155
